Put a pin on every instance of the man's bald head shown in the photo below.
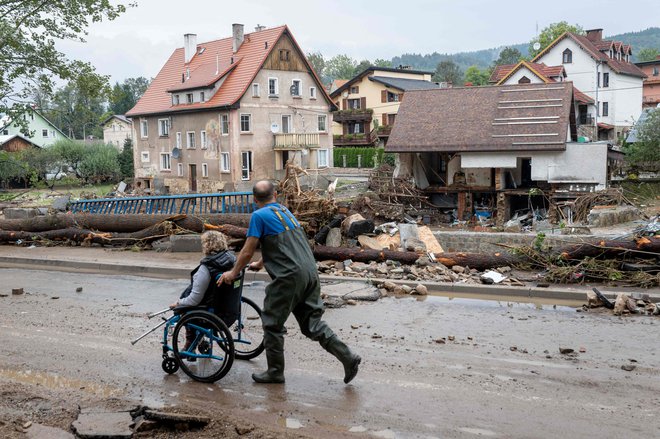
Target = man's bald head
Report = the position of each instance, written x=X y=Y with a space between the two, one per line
x=264 y=191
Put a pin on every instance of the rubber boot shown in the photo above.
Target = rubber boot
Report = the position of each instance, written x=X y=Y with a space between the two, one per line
x=350 y=360
x=275 y=372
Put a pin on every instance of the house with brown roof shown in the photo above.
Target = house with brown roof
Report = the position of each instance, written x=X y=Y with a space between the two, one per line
x=224 y=113
x=651 y=91
x=526 y=72
x=603 y=70
x=368 y=103
x=481 y=149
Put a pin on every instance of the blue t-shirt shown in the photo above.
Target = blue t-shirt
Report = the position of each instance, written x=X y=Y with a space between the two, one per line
x=265 y=222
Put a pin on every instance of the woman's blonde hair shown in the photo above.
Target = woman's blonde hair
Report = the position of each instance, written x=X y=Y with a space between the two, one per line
x=213 y=242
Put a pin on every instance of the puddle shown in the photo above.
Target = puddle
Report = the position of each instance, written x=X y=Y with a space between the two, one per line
x=493 y=301
x=53 y=381
x=291 y=423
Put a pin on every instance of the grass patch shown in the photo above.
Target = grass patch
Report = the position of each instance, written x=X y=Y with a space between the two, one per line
x=641 y=192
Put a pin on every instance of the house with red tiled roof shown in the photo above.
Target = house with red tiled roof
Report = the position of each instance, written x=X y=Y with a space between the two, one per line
x=651 y=92
x=526 y=72
x=601 y=69
x=224 y=113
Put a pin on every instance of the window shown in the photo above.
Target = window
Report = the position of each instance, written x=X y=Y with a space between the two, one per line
x=284 y=55
x=354 y=104
x=606 y=79
x=323 y=158
x=322 y=123
x=114 y=127
x=190 y=139
x=224 y=162
x=189 y=98
x=355 y=128
x=144 y=128
x=144 y=156
x=175 y=99
x=524 y=80
x=178 y=140
x=44 y=133
x=286 y=124
x=205 y=170
x=392 y=97
x=606 y=109
x=656 y=71
x=179 y=169
x=390 y=119
x=224 y=124
x=246 y=165
x=165 y=161
x=273 y=89
x=202 y=139
x=567 y=57
x=255 y=90
x=201 y=96
x=163 y=127
x=246 y=123
x=355 y=89
x=312 y=92
x=296 y=88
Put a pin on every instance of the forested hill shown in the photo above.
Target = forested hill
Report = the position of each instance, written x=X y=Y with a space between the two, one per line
x=648 y=38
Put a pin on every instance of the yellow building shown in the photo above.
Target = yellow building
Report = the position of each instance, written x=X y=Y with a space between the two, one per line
x=369 y=102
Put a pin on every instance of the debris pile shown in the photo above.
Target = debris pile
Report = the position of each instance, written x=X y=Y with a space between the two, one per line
x=625 y=304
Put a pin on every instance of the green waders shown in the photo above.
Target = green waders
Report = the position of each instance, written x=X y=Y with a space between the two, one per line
x=295 y=289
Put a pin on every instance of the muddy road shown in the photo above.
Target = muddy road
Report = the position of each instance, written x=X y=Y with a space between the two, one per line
x=497 y=373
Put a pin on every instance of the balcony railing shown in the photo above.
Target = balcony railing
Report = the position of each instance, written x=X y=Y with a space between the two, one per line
x=384 y=130
x=297 y=141
x=353 y=115
x=353 y=139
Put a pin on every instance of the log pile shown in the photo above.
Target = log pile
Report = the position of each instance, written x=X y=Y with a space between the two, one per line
x=308 y=206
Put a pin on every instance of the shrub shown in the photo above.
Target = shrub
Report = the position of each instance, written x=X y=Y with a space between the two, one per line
x=100 y=164
x=370 y=156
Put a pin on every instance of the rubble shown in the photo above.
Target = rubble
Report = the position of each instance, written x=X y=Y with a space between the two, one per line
x=624 y=304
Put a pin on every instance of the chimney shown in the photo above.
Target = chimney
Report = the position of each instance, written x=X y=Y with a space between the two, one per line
x=189 y=46
x=595 y=35
x=237 y=36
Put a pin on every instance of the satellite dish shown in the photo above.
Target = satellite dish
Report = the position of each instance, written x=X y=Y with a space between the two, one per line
x=537 y=46
x=176 y=153
x=274 y=128
x=344 y=94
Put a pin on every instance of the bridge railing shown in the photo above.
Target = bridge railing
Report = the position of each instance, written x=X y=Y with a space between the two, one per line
x=224 y=202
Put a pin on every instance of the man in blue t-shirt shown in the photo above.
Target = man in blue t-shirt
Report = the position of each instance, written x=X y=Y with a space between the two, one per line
x=295 y=286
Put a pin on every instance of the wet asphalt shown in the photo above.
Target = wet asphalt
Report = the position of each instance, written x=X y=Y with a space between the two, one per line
x=436 y=367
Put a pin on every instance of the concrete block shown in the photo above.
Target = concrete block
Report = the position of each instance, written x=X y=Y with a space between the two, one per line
x=61 y=203
x=20 y=212
x=185 y=243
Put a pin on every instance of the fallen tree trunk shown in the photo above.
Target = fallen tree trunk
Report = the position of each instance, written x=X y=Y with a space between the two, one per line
x=121 y=223
x=645 y=245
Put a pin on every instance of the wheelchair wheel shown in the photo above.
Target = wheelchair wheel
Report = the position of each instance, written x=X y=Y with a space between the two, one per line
x=211 y=353
x=170 y=365
x=250 y=343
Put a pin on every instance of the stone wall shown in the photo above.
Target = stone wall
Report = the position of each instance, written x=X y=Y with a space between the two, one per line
x=486 y=242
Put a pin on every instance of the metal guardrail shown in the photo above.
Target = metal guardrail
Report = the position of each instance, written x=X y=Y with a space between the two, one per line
x=224 y=202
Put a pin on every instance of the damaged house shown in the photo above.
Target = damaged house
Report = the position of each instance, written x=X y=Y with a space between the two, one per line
x=481 y=150
x=222 y=114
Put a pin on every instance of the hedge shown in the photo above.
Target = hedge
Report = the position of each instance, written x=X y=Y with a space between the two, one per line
x=367 y=154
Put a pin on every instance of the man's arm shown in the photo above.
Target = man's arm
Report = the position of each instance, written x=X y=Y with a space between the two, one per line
x=244 y=257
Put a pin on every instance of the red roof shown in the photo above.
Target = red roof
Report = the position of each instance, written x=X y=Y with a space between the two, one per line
x=247 y=62
x=547 y=72
x=581 y=97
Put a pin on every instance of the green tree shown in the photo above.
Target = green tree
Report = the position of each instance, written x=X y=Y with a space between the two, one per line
x=318 y=63
x=71 y=154
x=476 y=76
x=126 y=160
x=378 y=62
x=124 y=96
x=77 y=108
x=39 y=162
x=448 y=71
x=361 y=67
x=645 y=152
x=508 y=55
x=28 y=56
x=648 y=54
x=100 y=164
x=340 y=67
x=551 y=33
x=12 y=168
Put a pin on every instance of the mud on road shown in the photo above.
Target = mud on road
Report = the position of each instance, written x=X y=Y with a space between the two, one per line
x=436 y=367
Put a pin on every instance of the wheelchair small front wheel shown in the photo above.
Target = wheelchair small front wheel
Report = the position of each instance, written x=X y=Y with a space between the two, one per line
x=170 y=365
x=203 y=346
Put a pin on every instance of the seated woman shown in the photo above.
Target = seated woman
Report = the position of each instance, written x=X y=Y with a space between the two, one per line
x=203 y=290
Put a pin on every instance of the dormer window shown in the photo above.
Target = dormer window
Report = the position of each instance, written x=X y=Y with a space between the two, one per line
x=175 y=99
x=201 y=97
x=189 y=98
x=567 y=57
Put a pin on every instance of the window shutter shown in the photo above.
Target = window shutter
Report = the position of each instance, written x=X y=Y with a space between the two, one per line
x=344 y=104
x=357 y=89
x=400 y=97
x=363 y=103
x=384 y=119
x=383 y=96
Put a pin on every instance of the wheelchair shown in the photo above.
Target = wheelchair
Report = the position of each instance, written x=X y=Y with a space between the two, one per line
x=215 y=340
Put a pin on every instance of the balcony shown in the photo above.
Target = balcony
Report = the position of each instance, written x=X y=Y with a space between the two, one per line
x=296 y=141
x=361 y=139
x=384 y=130
x=353 y=115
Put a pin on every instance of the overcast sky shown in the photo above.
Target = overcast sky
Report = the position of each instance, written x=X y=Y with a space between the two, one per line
x=140 y=41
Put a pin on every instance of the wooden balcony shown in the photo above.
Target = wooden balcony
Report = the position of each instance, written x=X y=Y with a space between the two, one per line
x=296 y=141
x=354 y=140
x=384 y=130
x=362 y=115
